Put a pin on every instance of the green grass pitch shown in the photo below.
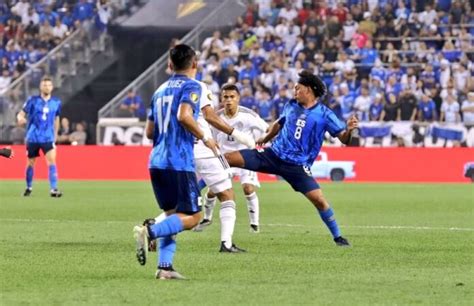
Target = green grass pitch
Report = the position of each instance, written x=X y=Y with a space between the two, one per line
x=412 y=244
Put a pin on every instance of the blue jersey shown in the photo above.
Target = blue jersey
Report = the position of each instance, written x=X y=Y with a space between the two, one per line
x=172 y=144
x=41 y=115
x=302 y=132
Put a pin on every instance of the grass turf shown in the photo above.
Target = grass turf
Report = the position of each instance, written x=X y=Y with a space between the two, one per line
x=79 y=249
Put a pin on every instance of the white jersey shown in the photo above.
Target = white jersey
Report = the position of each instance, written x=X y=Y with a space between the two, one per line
x=207 y=98
x=246 y=121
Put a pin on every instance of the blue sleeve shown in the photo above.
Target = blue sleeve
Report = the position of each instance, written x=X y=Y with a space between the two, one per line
x=28 y=105
x=151 y=117
x=58 y=111
x=333 y=125
x=191 y=94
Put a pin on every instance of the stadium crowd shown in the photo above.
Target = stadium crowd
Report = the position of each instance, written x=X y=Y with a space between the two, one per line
x=30 y=29
x=383 y=60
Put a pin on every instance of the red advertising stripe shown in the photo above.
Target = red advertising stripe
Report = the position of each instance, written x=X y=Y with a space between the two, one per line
x=371 y=164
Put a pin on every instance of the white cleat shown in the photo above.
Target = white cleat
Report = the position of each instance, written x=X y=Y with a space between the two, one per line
x=140 y=233
x=166 y=274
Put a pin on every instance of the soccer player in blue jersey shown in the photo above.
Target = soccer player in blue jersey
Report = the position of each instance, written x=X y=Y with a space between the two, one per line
x=41 y=114
x=172 y=126
x=297 y=139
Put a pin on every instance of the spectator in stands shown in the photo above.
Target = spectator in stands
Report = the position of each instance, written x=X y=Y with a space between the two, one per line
x=247 y=100
x=79 y=136
x=30 y=18
x=450 y=110
x=427 y=109
x=64 y=131
x=212 y=85
x=468 y=110
x=17 y=135
x=133 y=104
x=376 y=108
x=408 y=105
x=391 y=110
x=362 y=104
x=279 y=102
x=5 y=80
x=60 y=30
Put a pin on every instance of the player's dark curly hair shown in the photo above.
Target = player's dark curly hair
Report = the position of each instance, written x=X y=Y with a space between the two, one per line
x=314 y=82
x=228 y=86
x=182 y=57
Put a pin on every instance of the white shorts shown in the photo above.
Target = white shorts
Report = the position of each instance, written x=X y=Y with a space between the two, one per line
x=246 y=176
x=213 y=173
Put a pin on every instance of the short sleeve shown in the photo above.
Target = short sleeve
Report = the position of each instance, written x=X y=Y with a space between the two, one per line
x=58 y=110
x=191 y=93
x=206 y=97
x=28 y=105
x=151 y=117
x=333 y=124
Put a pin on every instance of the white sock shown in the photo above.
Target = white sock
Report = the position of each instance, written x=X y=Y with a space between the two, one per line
x=253 y=208
x=228 y=217
x=209 y=207
x=160 y=217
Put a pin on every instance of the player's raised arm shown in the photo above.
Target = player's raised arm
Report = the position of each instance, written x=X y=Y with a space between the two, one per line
x=346 y=135
x=213 y=119
x=185 y=117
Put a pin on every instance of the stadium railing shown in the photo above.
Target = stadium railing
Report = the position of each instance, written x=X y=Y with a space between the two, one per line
x=146 y=83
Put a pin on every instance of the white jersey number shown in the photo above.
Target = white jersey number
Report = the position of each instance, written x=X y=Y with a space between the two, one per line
x=299 y=128
x=163 y=102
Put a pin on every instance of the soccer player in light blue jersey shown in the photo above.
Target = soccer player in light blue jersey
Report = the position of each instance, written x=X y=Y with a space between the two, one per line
x=172 y=126
x=41 y=114
x=299 y=136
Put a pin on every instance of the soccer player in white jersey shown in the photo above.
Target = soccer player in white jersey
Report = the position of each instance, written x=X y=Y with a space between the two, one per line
x=250 y=123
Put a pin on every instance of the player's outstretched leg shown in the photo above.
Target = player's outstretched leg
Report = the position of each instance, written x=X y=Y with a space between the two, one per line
x=327 y=215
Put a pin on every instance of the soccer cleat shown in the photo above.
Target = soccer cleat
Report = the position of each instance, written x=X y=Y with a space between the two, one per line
x=202 y=225
x=342 y=242
x=254 y=228
x=232 y=249
x=151 y=243
x=168 y=274
x=27 y=192
x=55 y=193
x=140 y=233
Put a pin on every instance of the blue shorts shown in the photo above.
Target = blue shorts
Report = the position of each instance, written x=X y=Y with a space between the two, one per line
x=176 y=190
x=34 y=148
x=299 y=177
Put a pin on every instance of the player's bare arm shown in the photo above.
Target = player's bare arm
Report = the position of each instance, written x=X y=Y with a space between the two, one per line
x=21 y=118
x=273 y=130
x=352 y=124
x=185 y=117
x=149 y=128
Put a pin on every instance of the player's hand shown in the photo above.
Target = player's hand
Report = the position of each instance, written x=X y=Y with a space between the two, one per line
x=352 y=123
x=22 y=121
x=211 y=144
x=261 y=142
x=243 y=138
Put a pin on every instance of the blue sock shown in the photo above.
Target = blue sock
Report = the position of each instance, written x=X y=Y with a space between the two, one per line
x=167 y=250
x=29 y=176
x=330 y=220
x=170 y=226
x=201 y=184
x=53 y=177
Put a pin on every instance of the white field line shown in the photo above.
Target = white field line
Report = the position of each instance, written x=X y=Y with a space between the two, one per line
x=375 y=227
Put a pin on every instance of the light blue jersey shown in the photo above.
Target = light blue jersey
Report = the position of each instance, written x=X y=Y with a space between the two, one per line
x=41 y=115
x=173 y=144
x=301 y=136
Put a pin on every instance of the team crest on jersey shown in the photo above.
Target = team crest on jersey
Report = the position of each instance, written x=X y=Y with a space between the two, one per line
x=209 y=96
x=194 y=97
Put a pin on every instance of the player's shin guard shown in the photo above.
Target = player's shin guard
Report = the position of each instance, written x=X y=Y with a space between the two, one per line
x=253 y=208
x=228 y=217
x=167 y=250
x=53 y=177
x=209 y=204
x=29 y=176
x=169 y=226
x=330 y=220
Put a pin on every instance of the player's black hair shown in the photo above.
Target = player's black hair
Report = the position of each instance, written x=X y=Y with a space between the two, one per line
x=182 y=57
x=228 y=86
x=314 y=82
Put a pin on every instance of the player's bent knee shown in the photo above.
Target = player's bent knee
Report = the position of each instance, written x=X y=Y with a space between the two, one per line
x=235 y=159
x=248 y=189
x=225 y=195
